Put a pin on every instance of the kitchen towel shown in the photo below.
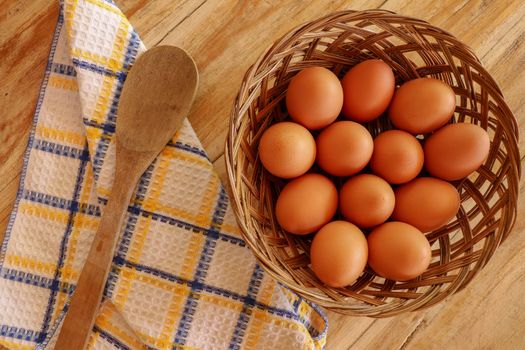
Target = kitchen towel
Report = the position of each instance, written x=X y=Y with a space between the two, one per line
x=182 y=277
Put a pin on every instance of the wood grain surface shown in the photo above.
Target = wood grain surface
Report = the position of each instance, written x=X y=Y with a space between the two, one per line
x=225 y=37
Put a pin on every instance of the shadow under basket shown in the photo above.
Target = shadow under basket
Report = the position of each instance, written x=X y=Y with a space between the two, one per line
x=413 y=48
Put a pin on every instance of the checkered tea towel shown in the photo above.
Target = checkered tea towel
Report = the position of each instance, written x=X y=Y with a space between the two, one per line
x=182 y=277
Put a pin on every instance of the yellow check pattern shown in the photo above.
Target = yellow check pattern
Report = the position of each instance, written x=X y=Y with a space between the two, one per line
x=182 y=277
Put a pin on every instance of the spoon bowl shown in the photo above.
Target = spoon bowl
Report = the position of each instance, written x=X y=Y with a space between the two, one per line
x=146 y=114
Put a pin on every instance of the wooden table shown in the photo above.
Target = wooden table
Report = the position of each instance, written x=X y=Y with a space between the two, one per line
x=225 y=37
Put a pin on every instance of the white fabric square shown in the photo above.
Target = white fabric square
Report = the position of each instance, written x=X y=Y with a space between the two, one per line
x=183 y=191
x=166 y=247
x=37 y=246
x=231 y=267
x=148 y=306
x=16 y=310
x=95 y=29
x=212 y=326
x=61 y=110
x=47 y=166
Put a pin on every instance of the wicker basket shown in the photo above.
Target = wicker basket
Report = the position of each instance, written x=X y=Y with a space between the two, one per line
x=413 y=48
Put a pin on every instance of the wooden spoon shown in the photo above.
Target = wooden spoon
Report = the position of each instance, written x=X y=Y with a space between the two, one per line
x=157 y=96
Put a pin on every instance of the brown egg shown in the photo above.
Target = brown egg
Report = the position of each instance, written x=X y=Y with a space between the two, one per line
x=422 y=105
x=366 y=200
x=426 y=203
x=456 y=150
x=368 y=88
x=338 y=253
x=398 y=156
x=398 y=251
x=287 y=150
x=314 y=97
x=306 y=204
x=344 y=148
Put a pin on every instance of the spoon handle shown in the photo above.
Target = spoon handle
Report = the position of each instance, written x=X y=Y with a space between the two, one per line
x=87 y=296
